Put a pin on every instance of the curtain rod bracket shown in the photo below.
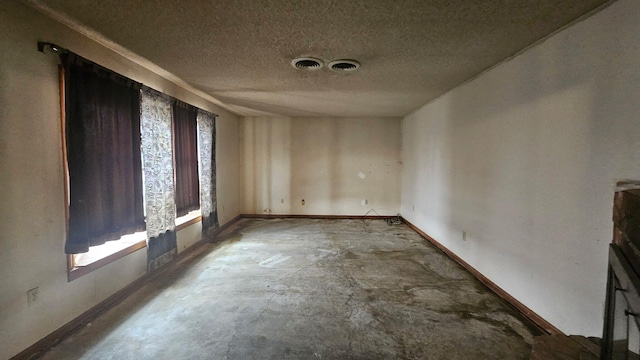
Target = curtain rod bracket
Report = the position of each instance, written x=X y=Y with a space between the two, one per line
x=53 y=47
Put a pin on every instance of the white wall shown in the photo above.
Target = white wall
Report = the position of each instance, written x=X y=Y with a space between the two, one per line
x=525 y=159
x=31 y=180
x=188 y=236
x=332 y=163
x=227 y=166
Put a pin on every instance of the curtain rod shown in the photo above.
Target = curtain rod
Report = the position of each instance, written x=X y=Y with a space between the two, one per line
x=42 y=46
x=69 y=58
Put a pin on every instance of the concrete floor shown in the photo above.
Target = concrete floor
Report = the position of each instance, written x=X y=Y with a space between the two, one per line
x=309 y=289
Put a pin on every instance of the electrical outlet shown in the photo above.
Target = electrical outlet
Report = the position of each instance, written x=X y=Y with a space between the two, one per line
x=302 y=202
x=464 y=236
x=33 y=296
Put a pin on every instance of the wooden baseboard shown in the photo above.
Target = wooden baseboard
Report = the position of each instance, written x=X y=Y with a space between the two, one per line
x=39 y=348
x=36 y=350
x=291 y=216
x=524 y=310
x=216 y=232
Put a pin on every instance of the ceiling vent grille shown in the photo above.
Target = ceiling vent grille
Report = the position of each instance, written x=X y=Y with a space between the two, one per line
x=344 y=65
x=307 y=63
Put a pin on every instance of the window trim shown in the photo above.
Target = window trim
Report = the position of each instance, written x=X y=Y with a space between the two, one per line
x=74 y=272
x=65 y=166
x=78 y=271
x=189 y=219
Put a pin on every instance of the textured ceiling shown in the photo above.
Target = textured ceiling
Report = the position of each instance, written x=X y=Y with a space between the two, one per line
x=240 y=51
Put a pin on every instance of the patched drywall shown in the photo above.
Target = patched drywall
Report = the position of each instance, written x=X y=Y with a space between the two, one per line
x=320 y=166
x=515 y=171
x=31 y=180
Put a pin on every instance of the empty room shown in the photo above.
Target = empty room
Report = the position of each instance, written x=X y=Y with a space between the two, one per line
x=319 y=179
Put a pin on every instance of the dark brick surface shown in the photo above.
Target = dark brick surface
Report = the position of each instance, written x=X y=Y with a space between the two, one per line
x=626 y=220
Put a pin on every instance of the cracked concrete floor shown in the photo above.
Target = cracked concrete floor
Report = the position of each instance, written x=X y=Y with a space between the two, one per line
x=309 y=289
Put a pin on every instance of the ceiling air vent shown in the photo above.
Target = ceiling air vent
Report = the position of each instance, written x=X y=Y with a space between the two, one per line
x=344 y=65
x=307 y=63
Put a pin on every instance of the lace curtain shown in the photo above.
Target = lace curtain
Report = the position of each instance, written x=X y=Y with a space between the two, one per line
x=157 y=157
x=207 y=146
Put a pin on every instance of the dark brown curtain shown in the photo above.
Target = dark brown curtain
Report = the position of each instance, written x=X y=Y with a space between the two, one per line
x=186 y=155
x=103 y=146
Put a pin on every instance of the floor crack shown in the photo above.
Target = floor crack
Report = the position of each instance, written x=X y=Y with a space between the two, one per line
x=351 y=310
x=229 y=345
x=263 y=310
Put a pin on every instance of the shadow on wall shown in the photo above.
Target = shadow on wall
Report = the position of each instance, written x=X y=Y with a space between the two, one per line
x=266 y=160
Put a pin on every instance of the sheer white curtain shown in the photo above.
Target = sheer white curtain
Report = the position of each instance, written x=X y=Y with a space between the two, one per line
x=157 y=162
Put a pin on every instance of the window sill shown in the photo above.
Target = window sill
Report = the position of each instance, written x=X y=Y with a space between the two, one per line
x=111 y=251
x=188 y=219
x=107 y=253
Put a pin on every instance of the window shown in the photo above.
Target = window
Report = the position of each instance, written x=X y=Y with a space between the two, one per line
x=110 y=126
x=103 y=155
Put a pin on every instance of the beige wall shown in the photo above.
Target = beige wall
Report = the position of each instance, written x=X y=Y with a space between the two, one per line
x=31 y=180
x=334 y=164
x=525 y=159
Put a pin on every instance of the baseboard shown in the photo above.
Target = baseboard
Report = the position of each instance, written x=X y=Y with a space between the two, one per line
x=222 y=228
x=39 y=348
x=292 y=216
x=524 y=310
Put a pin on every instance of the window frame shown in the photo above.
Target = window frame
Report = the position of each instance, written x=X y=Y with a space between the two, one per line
x=74 y=271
